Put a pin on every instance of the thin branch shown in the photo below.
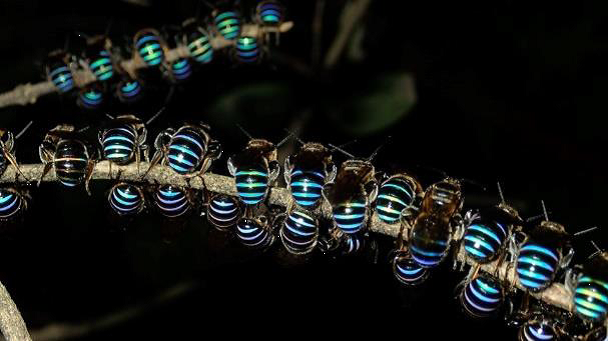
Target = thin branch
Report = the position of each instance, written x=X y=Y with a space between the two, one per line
x=352 y=13
x=11 y=323
x=556 y=295
x=24 y=94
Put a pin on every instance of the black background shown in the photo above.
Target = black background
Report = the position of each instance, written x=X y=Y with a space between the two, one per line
x=505 y=91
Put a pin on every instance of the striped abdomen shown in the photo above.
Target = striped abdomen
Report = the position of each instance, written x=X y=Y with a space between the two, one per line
x=11 y=203
x=483 y=240
x=250 y=233
x=181 y=69
x=394 y=196
x=186 y=151
x=407 y=271
x=536 y=266
x=129 y=90
x=228 y=24
x=90 y=98
x=247 y=49
x=352 y=243
x=306 y=187
x=70 y=162
x=591 y=298
x=251 y=184
x=61 y=76
x=537 y=331
x=126 y=199
x=350 y=217
x=102 y=66
x=149 y=47
x=171 y=201
x=430 y=242
x=119 y=144
x=299 y=232
x=200 y=48
x=270 y=13
x=223 y=211
x=482 y=296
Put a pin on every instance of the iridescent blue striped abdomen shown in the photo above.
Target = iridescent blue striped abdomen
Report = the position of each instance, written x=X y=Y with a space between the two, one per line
x=149 y=46
x=200 y=47
x=61 y=76
x=171 y=201
x=270 y=13
x=430 y=241
x=129 y=90
x=537 y=265
x=350 y=217
x=247 y=50
x=250 y=233
x=101 y=66
x=352 y=243
x=306 y=187
x=299 y=232
x=91 y=98
x=119 y=144
x=394 y=196
x=70 y=162
x=126 y=199
x=11 y=203
x=407 y=271
x=228 y=24
x=251 y=184
x=537 y=331
x=482 y=296
x=223 y=211
x=186 y=150
x=591 y=298
x=181 y=69
x=483 y=240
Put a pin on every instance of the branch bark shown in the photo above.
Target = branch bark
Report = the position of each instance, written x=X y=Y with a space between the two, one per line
x=11 y=323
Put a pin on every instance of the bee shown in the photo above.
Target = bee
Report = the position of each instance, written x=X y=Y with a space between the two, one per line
x=541 y=255
x=270 y=15
x=247 y=49
x=59 y=72
x=307 y=172
x=98 y=58
x=7 y=149
x=591 y=288
x=227 y=22
x=13 y=202
x=482 y=294
x=180 y=70
x=254 y=232
x=129 y=90
x=126 y=199
x=223 y=211
x=407 y=271
x=69 y=154
x=91 y=96
x=255 y=169
x=198 y=41
x=538 y=328
x=432 y=230
x=150 y=47
x=189 y=150
x=397 y=197
x=299 y=232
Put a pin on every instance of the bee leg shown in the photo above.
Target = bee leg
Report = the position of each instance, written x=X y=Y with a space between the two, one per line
x=155 y=159
x=137 y=158
x=89 y=175
x=45 y=170
x=11 y=158
x=110 y=170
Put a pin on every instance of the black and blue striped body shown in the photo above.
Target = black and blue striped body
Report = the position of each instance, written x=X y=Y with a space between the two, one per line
x=223 y=211
x=11 y=203
x=251 y=234
x=61 y=76
x=199 y=47
x=149 y=46
x=299 y=232
x=352 y=243
x=129 y=90
x=186 y=150
x=119 y=144
x=591 y=298
x=126 y=199
x=247 y=50
x=181 y=69
x=350 y=217
x=270 y=13
x=171 y=201
x=101 y=66
x=251 y=183
x=537 y=265
x=91 y=98
x=228 y=24
x=482 y=296
x=395 y=195
x=430 y=241
x=407 y=271
x=537 y=331
x=306 y=187
x=70 y=162
x=483 y=240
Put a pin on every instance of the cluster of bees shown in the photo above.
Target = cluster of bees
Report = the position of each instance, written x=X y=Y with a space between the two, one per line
x=102 y=65
x=431 y=220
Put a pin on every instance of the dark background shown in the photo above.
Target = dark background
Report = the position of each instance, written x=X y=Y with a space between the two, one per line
x=501 y=91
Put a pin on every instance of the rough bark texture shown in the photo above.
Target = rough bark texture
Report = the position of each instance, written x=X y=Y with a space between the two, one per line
x=11 y=323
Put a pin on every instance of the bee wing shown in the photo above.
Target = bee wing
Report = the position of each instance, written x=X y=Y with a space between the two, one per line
x=275 y=170
x=287 y=169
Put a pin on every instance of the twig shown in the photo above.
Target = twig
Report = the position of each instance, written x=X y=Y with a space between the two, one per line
x=317 y=32
x=28 y=93
x=352 y=13
x=555 y=295
x=11 y=323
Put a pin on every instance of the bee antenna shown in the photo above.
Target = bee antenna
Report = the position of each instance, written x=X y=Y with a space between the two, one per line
x=83 y=129
x=371 y=157
x=284 y=140
x=244 y=131
x=585 y=231
x=338 y=148
x=542 y=202
x=208 y=4
x=294 y=135
x=597 y=250
x=27 y=126
x=156 y=115
x=110 y=116
x=502 y=197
